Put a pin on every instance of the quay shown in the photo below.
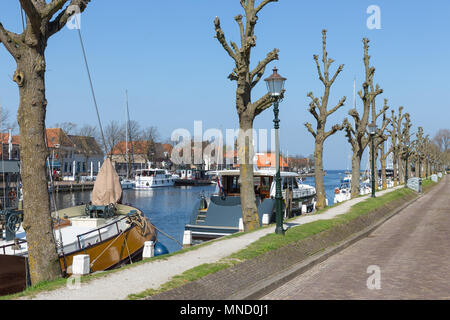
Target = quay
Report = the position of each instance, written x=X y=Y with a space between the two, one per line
x=193 y=182
x=154 y=273
x=69 y=186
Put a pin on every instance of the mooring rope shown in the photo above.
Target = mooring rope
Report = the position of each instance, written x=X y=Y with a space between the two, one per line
x=168 y=236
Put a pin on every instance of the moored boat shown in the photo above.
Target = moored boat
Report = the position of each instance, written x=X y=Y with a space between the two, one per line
x=221 y=213
x=146 y=179
x=111 y=233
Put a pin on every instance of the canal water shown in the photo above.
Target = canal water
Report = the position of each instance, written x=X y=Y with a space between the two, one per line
x=169 y=209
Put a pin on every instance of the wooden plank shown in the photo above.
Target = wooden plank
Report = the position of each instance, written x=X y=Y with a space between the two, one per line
x=13 y=274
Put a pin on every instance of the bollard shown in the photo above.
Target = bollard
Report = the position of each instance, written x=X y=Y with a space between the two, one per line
x=265 y=219
x=187 y=238
x=80 y=265
x=304 y=208
x=241 y=224
x=149 y=250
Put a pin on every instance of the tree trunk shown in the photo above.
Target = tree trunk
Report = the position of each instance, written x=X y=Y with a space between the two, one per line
x=318 y=173
x=250 y=216
x=43 y=257
x=401 y=175
x=395 y=168
x=383 y=167
x=356 y=174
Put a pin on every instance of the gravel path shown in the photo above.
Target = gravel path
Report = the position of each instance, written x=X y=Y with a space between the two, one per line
x=152 y=275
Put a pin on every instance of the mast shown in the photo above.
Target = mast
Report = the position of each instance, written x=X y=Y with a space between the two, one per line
x=126 y=135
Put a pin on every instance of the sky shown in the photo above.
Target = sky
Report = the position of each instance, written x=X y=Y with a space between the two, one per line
x=165 y=54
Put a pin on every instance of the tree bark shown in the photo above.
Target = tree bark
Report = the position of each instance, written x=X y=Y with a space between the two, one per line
x=318 y=173
x=43 y=257
x=356 y=174
x=250 y=216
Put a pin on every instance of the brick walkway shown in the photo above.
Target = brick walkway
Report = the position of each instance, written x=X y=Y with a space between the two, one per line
x=411 y=250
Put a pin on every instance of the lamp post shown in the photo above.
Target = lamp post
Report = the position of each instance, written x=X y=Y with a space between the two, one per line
x=372 y=131
x=275 y=85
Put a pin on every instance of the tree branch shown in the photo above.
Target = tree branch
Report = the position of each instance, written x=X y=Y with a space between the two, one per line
x=258 y=72
x=341 y=67
x=263 y=4
x=334 y=129
x=310 y=129
x=316 y=59
x=61 y=19
x=10 y=41
x=33 y=15
x=221 y=38
x=263 y=103
x=340 y=104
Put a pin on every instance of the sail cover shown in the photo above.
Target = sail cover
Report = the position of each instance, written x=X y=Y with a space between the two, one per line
x=107 y=188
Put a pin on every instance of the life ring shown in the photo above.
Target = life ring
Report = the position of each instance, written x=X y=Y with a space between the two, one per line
x=12 y=195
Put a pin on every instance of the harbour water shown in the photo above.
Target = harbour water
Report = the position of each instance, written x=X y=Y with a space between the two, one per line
x=169 y=209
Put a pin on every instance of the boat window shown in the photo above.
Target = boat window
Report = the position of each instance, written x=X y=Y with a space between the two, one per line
x=231 y=184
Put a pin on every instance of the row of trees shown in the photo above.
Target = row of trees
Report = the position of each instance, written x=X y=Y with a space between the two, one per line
x=428 y=157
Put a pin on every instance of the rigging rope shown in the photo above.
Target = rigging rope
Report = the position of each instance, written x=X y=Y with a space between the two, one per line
x=90 y=81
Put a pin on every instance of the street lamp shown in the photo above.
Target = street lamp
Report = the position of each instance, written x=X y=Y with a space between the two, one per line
x=275 y=85
x=372 y=132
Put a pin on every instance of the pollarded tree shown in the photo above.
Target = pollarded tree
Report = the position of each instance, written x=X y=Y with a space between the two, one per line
x=28 y=49
x=379 y=139
x=247 y=110
x=357 y=136
x=319 y=109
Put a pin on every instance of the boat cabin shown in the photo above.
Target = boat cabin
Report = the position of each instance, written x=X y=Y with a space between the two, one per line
x=150 y=173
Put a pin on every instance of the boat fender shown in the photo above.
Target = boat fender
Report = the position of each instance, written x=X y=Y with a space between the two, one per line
x=12 y=195
x=336 y=191
x=160 y=249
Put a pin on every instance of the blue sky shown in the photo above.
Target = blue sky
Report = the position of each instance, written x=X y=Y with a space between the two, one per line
x=164 y=53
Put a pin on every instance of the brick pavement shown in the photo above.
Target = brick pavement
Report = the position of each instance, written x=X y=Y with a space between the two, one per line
x=412 y=251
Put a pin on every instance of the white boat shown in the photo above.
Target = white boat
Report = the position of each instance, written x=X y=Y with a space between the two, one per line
x=344 y=191
x=127 y=184
x=153 y=178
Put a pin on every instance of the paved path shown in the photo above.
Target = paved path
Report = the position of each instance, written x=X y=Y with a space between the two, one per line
x=411 y=250
x=152 y=275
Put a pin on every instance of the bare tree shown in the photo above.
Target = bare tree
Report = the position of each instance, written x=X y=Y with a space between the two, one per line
x=114 y=133
x=28 y=49
x=442 y=139
x=380 y=139
x=319 y=109
x=357 y=136
x=67 y=127
x=150 y=135
x=247 y=110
